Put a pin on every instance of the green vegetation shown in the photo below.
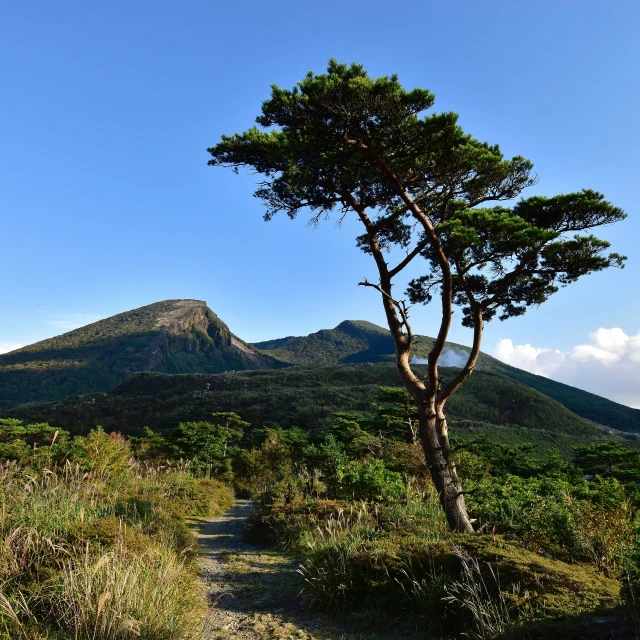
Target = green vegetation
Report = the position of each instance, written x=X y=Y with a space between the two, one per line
x=351 y=342
x=175 y=336
x=556 y=548
x=209 y=443
x=95 y=542
x=356 y=341
x=504 y=410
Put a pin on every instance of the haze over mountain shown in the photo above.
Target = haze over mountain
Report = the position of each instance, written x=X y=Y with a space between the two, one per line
x=174 y=336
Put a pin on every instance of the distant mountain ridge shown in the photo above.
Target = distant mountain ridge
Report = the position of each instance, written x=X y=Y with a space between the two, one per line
x=174 y=336
x=352 y=341
x=186 y=337
x=358 y=341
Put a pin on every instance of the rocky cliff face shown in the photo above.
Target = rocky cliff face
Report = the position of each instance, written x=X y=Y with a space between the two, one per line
x=174 y=336
x=193 y=339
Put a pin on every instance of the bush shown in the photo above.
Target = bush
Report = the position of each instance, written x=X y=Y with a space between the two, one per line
x=103 y=455
x=631 y=581
x=34 y=444
x=370 y=481
x=589 y=522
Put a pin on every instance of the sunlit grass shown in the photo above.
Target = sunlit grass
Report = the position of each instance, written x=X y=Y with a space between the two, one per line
x=104 y=553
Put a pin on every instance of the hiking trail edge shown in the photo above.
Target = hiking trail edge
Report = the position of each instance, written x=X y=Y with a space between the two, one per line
x=253 y=590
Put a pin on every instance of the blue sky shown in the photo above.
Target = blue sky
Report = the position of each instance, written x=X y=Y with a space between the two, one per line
x=106 y=202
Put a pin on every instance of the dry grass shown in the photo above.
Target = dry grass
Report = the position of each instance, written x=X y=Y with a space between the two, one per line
x=480 y=595
x=120 y=596
x=103 y=553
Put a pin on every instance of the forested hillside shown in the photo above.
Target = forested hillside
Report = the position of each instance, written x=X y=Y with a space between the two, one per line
x=174 y=336
x=505 y=410
x=354 y=341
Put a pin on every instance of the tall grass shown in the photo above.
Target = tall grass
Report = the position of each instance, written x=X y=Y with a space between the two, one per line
x=480 y=595
x=350 y=553
x=101 y=552
x=120 y=596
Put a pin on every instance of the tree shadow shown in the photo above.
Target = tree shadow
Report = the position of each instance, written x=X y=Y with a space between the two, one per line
x=606 y=624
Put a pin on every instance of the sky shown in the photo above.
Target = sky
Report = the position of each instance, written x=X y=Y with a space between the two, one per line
x=107 y=203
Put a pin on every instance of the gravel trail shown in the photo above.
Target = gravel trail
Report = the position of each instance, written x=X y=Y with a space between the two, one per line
x=253 y=591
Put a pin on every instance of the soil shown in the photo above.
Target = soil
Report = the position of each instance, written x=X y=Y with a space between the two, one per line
x=254 y=591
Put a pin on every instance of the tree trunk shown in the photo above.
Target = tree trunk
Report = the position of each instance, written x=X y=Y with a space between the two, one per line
x=432 y=425
x=437 y=450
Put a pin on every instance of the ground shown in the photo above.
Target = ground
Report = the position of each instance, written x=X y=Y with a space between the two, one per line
x=254 y=591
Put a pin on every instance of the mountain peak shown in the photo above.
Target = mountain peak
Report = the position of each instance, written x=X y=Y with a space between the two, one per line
x=359 y=327
x=172 y=336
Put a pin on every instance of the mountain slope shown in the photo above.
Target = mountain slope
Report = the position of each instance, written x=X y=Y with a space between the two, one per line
x=588 y=405
x=490 y=404
x=354 y=341
x=185 y=336
x=174 y=336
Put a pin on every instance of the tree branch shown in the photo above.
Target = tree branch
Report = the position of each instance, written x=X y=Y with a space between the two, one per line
x=402 y=342
x=467 y=370
x=400 y=304
x=410 y=256
x=447 y=283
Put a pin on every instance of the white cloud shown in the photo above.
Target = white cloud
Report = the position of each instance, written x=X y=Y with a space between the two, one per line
x=70 y=321
x=449 y=358
x=609 y=365
x=5 y=347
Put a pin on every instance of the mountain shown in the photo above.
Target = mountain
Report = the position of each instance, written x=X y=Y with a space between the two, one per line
x=500 y=408
x=357 y=341
x=174 y=336
x=352 y=341
x=186 y=337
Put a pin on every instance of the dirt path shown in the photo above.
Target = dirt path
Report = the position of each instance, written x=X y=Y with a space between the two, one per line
x=253 y=591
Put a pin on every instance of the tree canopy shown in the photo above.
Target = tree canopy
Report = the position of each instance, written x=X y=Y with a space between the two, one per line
x=342 y=142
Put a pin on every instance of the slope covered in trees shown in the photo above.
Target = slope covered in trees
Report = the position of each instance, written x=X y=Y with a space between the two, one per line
x=358 y=341
x=505 y=410
x=174 y=336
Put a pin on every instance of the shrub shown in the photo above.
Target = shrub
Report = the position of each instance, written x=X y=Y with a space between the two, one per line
x=103 y=455
x=631 y=581
x=370 y=481
x=34 y=444
x=589 y=522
